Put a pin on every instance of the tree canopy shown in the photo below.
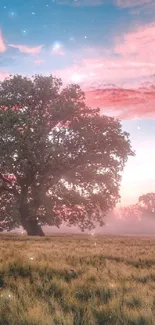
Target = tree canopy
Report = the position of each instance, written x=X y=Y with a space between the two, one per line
x=60 y=161
x=147 y=204
x=144 y=208
x=131 y=213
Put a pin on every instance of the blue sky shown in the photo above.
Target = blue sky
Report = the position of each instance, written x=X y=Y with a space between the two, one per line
x=75 y=28
x=100 y=44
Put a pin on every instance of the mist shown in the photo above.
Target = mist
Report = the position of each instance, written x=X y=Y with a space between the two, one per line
x=113 y=226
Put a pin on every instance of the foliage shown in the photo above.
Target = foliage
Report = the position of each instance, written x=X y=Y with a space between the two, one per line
x=59 y=159
x=143 y=209
x=147 y=204
x=131 y=212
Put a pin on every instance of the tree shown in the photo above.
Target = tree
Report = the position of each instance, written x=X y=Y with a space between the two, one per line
x=130 y=213
x=147 y=204
x=59 y=159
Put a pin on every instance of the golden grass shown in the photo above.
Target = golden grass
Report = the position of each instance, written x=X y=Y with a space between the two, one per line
x=77 y=280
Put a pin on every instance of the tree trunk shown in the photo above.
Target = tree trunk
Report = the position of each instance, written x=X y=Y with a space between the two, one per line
x=30 y=225
x=32 y=228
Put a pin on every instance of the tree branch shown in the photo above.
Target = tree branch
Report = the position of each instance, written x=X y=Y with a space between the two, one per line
x=8 y=189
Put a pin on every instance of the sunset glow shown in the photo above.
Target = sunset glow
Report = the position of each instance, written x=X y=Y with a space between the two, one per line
x=105 y=46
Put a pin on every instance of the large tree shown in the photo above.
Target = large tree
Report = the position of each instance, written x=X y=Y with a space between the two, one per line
x=60 y=161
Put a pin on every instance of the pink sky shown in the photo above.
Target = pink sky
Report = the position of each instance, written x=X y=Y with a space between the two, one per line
x=117 y=72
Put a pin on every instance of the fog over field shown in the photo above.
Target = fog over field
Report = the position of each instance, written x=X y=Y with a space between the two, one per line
x=113 y=226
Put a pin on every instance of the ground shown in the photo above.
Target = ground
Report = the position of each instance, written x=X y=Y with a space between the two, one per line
x=77 y=280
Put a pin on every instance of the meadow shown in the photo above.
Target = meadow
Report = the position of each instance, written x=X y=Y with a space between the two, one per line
x=77 y=280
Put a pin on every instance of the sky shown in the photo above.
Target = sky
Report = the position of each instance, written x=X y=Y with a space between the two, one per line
x=106 y=46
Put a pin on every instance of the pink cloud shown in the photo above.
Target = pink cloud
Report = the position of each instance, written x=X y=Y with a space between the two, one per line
x=27 y=49
x=2 y=44
x=98 y=78
x=136 y=61
x=131 y=3
x=93 y=73
x=138 y=45
x=124 y=103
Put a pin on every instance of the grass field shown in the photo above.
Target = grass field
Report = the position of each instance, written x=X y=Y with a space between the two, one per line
x=77 y=280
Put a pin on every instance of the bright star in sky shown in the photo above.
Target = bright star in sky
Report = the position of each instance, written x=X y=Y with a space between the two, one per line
x=24 y=31
x=57 y=46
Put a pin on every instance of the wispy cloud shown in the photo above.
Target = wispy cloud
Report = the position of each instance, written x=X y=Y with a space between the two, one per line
x=119 y=3
x=93 y=73
x=3 y=47
x=131 y=58
x=100 y=80
x=139 y=44
x=131 y=3
x=135 y=60
x=146 y=8
x=83 y=3
x=27 y=49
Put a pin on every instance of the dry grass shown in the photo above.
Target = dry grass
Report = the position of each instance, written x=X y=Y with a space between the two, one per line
x=77 y=280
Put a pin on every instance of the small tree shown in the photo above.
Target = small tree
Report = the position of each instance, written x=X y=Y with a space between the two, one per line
x=131 y=213
x=59 y=159
x=147 y=204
